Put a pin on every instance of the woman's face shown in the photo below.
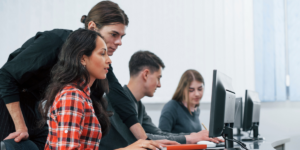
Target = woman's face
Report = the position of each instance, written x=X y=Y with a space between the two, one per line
x=195 y=92
x=113 y=35
x=98 y=63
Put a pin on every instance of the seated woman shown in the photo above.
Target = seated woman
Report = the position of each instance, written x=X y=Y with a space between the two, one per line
x=73 y=101
x=181 y=114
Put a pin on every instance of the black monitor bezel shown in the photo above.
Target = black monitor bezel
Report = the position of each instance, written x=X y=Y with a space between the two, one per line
x=216 y=124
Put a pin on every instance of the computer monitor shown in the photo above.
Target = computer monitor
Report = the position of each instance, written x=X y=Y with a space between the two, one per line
x=251 y=115
x=238 y=116
x=222 y=109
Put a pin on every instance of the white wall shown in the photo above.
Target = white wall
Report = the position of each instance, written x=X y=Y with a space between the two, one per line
x=195 y=34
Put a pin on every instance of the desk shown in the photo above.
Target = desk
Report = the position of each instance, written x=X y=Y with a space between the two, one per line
x=270 y=143
x=280 y=144
x=271 y=113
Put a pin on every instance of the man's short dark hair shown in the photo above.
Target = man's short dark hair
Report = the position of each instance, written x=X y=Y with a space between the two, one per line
x=141 y=59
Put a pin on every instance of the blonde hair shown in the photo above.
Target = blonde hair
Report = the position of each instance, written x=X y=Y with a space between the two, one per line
x=182 y=91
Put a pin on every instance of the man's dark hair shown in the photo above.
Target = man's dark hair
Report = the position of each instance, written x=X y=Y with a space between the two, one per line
x=141 y=59
x=105 y=13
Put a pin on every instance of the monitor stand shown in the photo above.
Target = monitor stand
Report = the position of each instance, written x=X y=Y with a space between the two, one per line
x=255 y=134
x=238 y=132
x=228 y=134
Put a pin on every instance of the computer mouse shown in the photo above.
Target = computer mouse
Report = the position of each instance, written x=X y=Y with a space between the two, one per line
x=208 y=143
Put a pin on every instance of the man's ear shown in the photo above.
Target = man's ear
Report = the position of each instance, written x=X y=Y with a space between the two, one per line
x=83 y=60
x=92 y=26
x=145 y=74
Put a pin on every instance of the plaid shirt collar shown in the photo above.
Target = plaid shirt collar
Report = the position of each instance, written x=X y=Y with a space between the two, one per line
x=86 y=89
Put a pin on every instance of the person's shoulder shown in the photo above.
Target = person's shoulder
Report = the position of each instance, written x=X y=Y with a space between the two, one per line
x=129 y=94
x=172 y=104
x=59 y=31
x=170 y=109
x=60 y=34
x=71 y=93
x=70 y=99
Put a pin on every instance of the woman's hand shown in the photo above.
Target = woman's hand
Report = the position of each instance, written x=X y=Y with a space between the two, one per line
x=142 y=145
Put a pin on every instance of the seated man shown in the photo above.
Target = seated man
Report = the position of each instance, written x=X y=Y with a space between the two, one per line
x=145 y=73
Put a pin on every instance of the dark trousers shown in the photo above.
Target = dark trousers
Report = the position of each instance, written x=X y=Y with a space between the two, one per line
x=37 y=136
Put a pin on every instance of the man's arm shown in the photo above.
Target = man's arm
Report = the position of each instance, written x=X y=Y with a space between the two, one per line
x=138 y=131
x=35 y=54
x=155 y=133
x=122 y=105
x=20 y=126
x=192 y=138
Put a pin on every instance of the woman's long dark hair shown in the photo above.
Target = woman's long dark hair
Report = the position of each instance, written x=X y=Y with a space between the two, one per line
x=69 y=70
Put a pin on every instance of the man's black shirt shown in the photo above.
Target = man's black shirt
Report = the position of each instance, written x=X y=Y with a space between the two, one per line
x=26 y=75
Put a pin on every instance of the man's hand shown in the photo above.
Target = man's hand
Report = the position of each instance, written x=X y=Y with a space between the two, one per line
x=19 y=135
x=193 y=138
x=167 y=142
x=142 y=145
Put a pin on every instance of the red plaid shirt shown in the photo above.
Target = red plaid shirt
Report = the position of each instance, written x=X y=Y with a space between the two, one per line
x=72 y=122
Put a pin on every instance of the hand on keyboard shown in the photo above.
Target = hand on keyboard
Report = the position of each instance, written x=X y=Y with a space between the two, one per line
x=212 y=144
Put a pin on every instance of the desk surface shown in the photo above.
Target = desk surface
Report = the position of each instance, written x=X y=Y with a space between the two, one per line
x=268 y=144
x=275 y=116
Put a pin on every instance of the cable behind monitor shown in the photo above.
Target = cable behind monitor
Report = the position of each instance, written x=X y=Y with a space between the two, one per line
x=227 y=135
x=243 y=145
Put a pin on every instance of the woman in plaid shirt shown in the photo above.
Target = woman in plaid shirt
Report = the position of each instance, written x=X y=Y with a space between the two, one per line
x=75 y=117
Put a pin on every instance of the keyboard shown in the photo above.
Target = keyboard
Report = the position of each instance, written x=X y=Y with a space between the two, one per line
x=220 y=144
x=212 y=144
